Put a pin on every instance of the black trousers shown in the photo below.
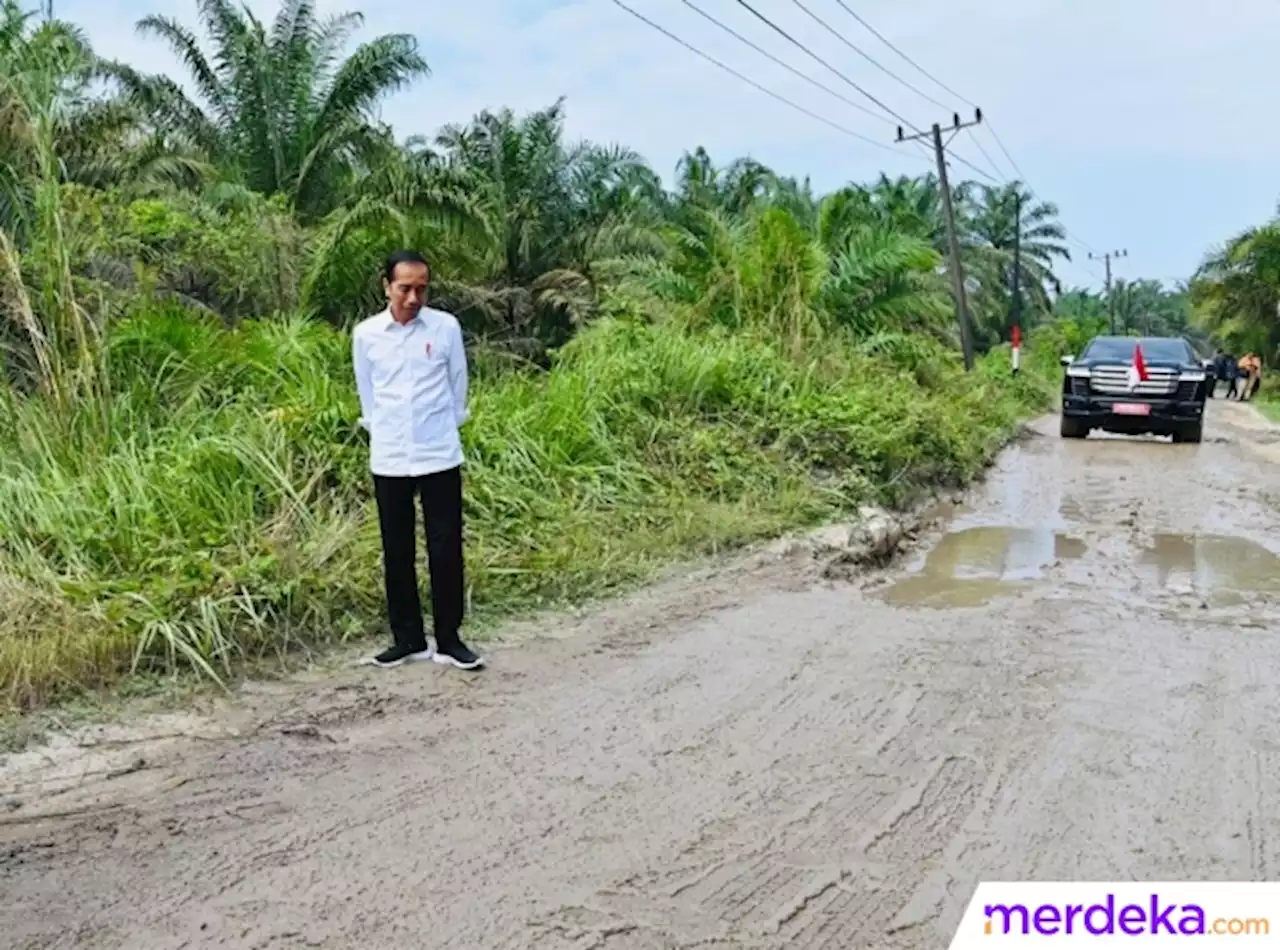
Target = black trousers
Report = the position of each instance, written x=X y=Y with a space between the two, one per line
x=441 y=496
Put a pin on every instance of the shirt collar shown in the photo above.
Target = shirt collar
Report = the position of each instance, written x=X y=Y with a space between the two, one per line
x=389 y=322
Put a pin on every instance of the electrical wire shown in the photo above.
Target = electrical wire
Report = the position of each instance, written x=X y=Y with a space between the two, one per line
x=992 y=130
x=1084 y=247
x=813 y=115
x=968 y=164
x=994 y=134
x=878 y=35
x=867 y=56
x=985 y=154
x=791 y=39
x=729 y=69
x=887 y=42
x=842 y=39
x=787 y=66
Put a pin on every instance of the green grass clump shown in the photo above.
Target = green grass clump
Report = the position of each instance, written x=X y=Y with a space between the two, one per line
x=212 y=506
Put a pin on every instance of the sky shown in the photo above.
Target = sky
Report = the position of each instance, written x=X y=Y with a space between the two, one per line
x=1147 y=122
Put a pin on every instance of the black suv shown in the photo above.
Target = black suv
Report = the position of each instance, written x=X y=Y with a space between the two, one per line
x=1099 y=390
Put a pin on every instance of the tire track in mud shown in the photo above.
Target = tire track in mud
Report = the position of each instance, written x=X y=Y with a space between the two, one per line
x=750 y=759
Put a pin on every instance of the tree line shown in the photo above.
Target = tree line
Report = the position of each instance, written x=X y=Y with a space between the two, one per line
x=1236 y=292
x=268 y=185
x=661 y=367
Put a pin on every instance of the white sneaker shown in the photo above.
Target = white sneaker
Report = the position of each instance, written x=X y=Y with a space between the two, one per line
x=395 y=656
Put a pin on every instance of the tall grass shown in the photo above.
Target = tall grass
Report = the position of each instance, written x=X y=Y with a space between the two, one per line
x=212 y=504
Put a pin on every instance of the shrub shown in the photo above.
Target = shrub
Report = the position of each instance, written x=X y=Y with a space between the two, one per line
x=214 y=507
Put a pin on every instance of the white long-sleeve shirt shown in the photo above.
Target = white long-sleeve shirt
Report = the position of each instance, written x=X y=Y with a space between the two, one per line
x=412 y=381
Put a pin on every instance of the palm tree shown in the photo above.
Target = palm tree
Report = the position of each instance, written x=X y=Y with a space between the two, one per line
x=555 y=217
x=912 y=205
x=790 y=264
x=1236 y=291
x=1079 y=303
x=1144 y=306
x=991 y=222
x=47 y=73
x=279 y=111
x=882 y=281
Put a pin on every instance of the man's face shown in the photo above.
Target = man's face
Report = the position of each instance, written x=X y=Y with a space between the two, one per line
x=407 y=290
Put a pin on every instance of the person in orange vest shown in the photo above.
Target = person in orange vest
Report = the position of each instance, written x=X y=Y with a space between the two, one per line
x=1253 y=376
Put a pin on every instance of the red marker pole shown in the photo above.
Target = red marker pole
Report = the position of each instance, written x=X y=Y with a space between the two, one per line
x=1017 y=347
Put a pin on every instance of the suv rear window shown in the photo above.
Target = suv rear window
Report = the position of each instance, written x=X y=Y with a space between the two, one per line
x=1120 y=349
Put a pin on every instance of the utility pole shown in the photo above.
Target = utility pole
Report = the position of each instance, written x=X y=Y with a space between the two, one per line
x=953 y=242
x=1111 y=306
x=1017 y=258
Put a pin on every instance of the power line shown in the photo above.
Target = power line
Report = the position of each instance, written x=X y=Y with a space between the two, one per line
x=1079 y=243
x=992 y=130
x=961 y=159
x=799 y=108
x=878 y=35
x=874 y=62
x=734 y=33
x=987 y=156
x=968 y=164
x=768 y=92
x=791 y=39
x=887 y=42
x=787 y=66
x=1070 y=239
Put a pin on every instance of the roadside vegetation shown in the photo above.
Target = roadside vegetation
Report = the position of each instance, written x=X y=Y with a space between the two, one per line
x=659 y=371
x=1236 y=296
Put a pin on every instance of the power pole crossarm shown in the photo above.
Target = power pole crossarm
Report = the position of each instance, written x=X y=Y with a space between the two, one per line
x=953 y=241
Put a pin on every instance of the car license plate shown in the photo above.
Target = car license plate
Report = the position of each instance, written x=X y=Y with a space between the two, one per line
x=1131 y=409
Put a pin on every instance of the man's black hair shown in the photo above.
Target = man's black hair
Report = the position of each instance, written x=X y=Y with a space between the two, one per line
x=402 y=257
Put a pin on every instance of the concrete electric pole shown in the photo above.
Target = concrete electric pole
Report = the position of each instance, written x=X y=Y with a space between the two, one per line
x=1111 y=308
x=953 y=241
x=1017 y=259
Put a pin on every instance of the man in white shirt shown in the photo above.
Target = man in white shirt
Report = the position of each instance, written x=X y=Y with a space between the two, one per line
x=411 y=374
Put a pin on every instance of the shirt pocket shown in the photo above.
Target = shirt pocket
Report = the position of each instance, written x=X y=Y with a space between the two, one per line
x=433 y=351
x=388 y=361
x=430 y=360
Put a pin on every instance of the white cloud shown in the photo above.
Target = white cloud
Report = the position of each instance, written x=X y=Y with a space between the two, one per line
x=1146 y=121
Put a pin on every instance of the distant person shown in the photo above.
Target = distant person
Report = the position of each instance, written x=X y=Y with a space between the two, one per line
x=1231 y=373
x=1252 y=367
x=1217 y=375
x=1242 y=376
x=411 y=375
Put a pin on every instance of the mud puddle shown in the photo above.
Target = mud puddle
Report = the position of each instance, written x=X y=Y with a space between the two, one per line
x=971 y=566
x=1227 y=570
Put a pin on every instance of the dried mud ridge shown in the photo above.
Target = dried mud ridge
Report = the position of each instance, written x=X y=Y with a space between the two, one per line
x=1072 y=674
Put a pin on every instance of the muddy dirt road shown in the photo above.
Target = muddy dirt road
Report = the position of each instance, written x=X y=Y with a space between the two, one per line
x=1076 y=677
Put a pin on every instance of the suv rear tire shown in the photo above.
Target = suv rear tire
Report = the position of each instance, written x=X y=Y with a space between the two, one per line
x=1073 y=428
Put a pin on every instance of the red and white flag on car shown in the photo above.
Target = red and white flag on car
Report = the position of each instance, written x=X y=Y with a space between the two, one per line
x=1138 y=371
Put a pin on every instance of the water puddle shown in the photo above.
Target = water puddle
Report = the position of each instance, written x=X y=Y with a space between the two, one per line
x=1221 y=567
x=971 y=566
